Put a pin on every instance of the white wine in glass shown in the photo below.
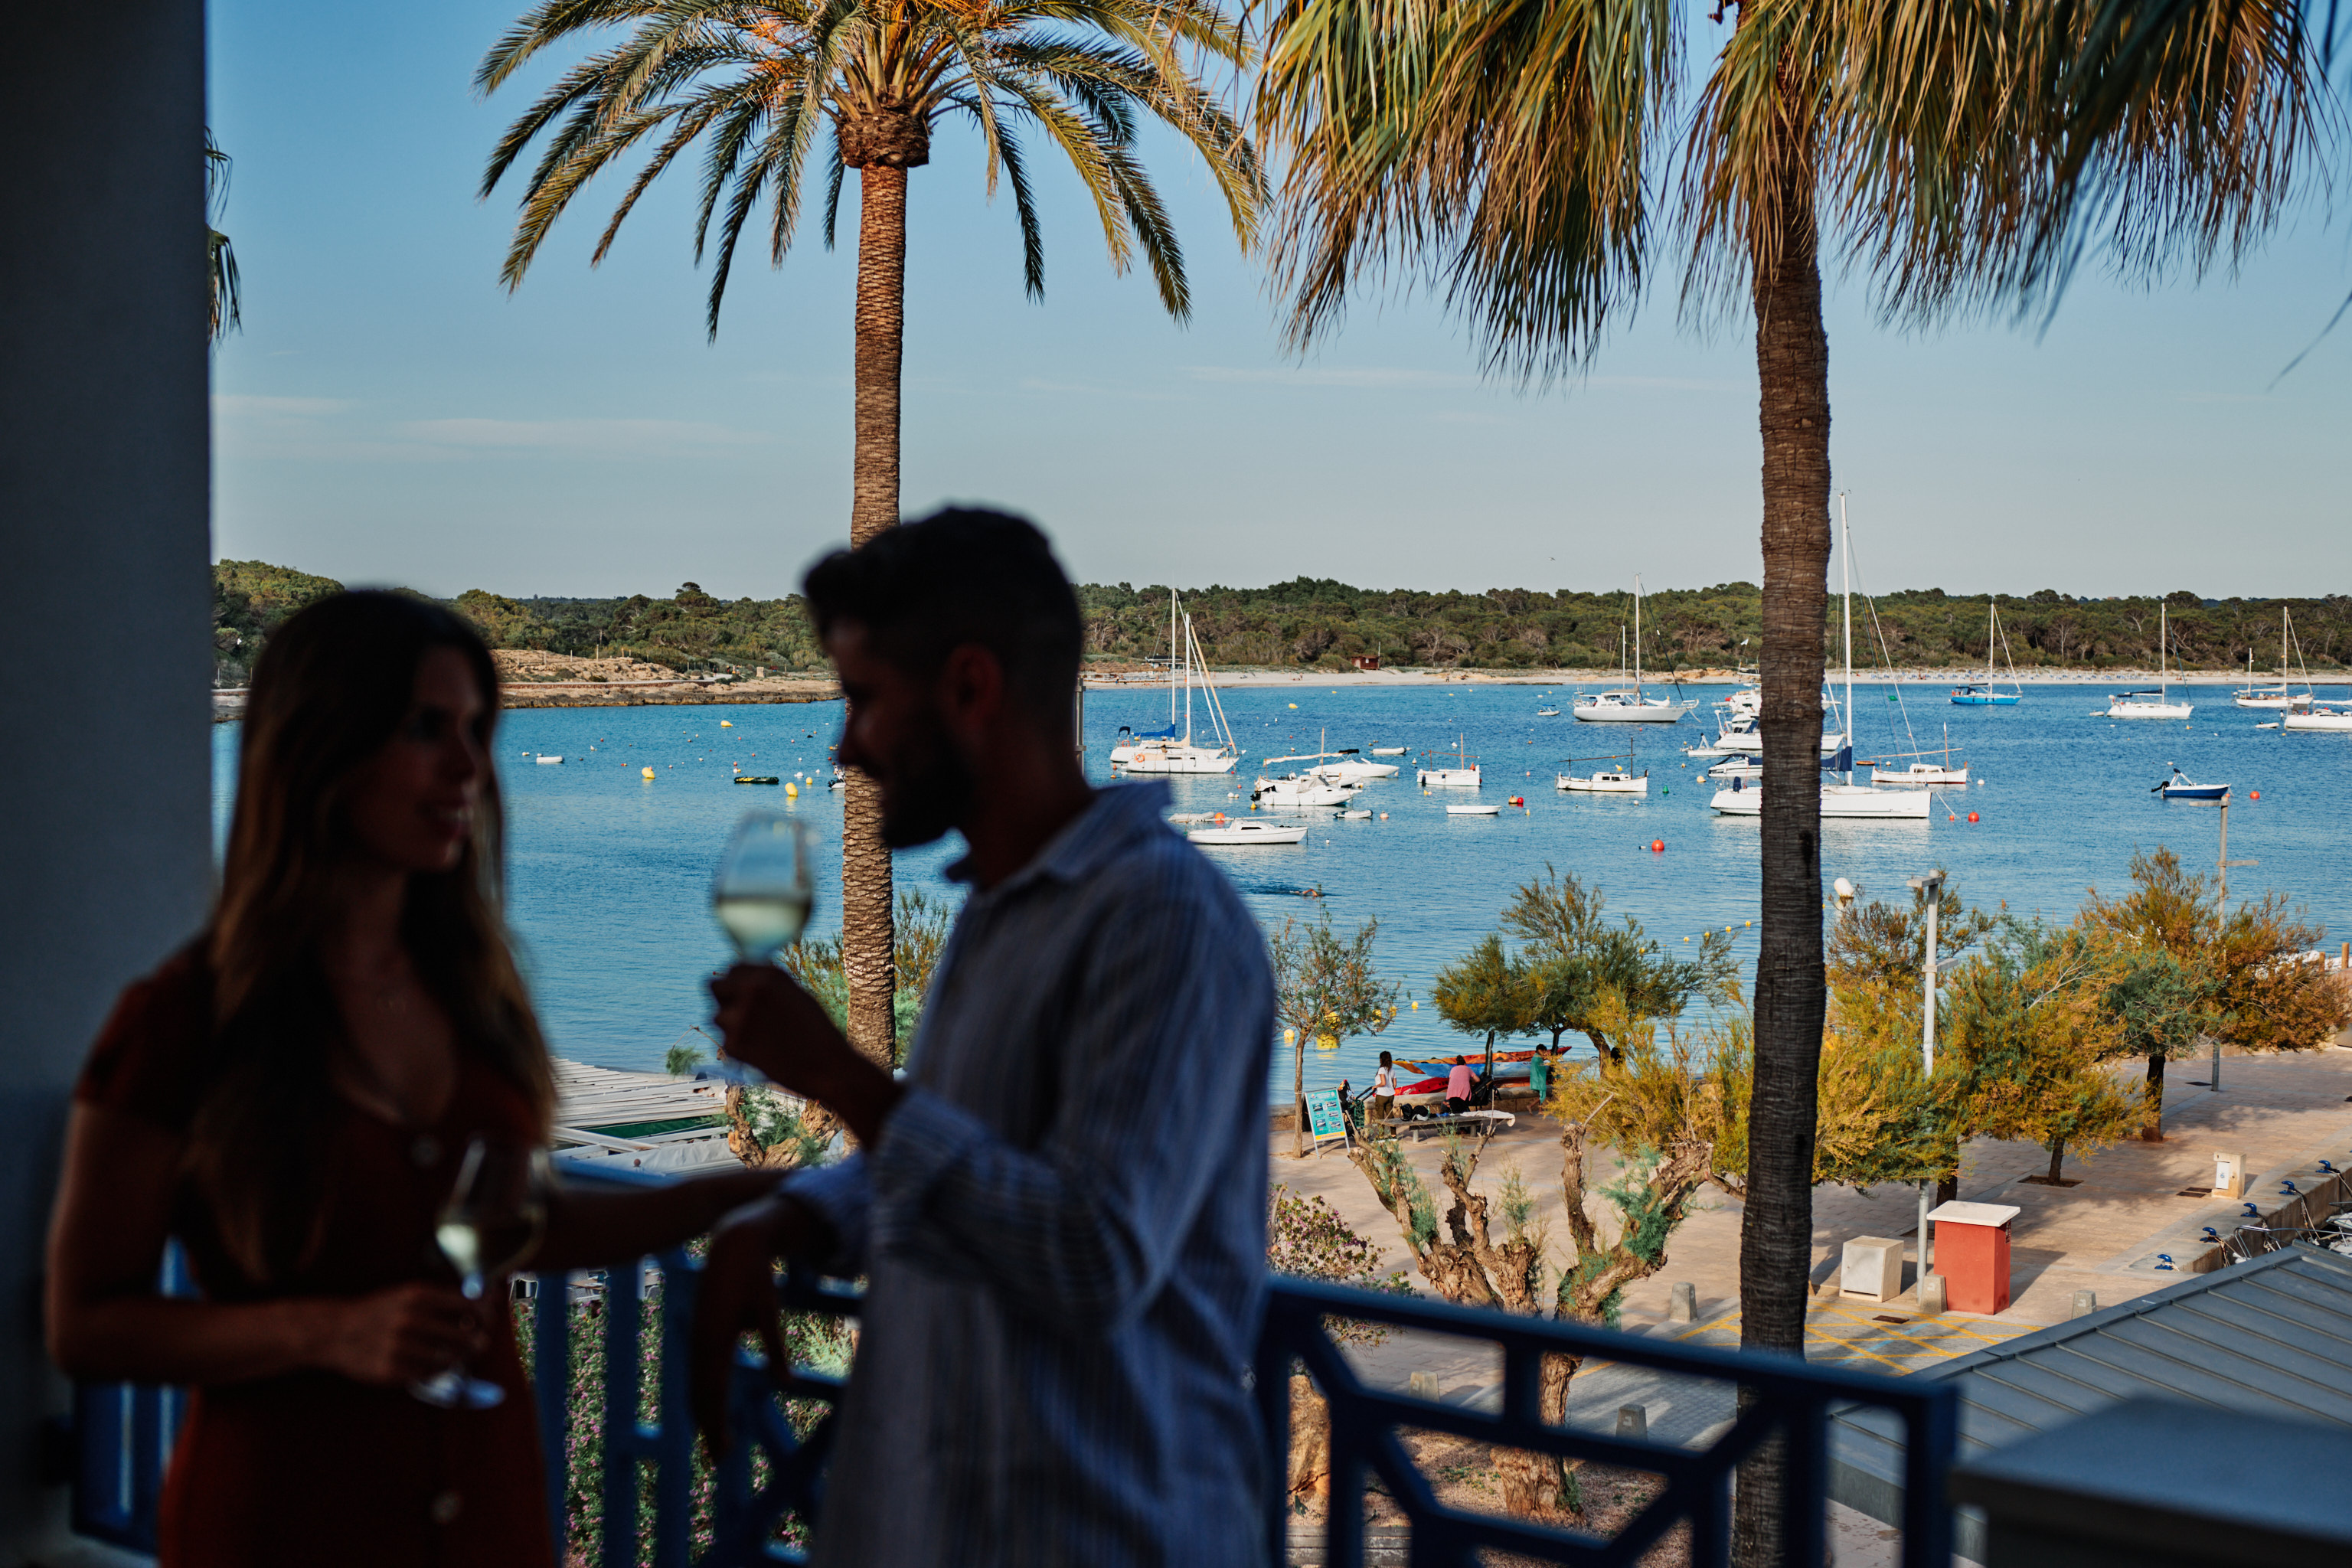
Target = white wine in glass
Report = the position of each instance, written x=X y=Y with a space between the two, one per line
x=763 y=892
x=492 y=1223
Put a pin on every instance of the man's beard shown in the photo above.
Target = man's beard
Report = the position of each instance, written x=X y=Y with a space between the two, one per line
x=930 y=785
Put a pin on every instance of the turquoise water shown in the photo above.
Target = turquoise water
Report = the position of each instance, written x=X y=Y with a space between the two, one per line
x=609 y=874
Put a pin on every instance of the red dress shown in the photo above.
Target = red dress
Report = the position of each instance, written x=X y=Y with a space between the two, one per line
x=311 y=1469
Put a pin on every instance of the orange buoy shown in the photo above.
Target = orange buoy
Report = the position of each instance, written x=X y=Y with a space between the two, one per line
x=1972 y=817
x=1657 y=846
x=2258 y=795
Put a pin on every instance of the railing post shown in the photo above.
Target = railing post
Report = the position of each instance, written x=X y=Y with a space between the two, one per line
x=623 y=1317
x=674 y=1466
x=551 y=1377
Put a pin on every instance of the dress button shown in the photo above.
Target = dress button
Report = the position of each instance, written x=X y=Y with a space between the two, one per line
x=444 y=1508
x=425 y=1150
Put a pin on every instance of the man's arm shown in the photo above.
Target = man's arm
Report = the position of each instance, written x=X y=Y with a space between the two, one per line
x=1169 y=1027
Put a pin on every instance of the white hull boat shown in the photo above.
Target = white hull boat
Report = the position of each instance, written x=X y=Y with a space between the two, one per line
x=1741 y=735
x=1736 y=768
x=1246 y=832
x=1463 y=775
x=1180 y=758
x=1166 y=753
x=2319 y=717
x=2277 y=698
x=1353 y=772
x=1606 y=784
x=551 y=759
x=1473 y=810
x=2159 y=703
x=1294 y=793
x=1388 y=751
x=1631 y=707
x=1843 y=801
x=1917 y=775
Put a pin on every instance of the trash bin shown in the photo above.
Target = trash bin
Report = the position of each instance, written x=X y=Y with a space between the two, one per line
x=1972 y=1254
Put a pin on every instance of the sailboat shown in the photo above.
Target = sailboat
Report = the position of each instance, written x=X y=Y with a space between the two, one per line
x=1347 y=766
x=1923 y=771
x=2138 y=704
x=1846 y=799
x=1630 y=707
x=1984 y=693
x=2278 y=696
x=1155 y=756
x=1463 y=774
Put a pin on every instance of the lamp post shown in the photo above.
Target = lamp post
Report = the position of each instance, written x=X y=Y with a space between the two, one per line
x=1931 y=887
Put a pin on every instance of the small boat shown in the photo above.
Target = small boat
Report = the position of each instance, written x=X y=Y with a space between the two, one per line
x=1629 y=705
x=2159 y=703
x=1918 y=775
x=1849 y=802
x=551 y=759
x=1357 y=816
x=746 y=778
x=2181 y=787
x=2277 y=696
x=1473 y=810
x=2320 y=716
x=1984 y=693
x=1547 y=712
x=1301 y=792
x=1388 y=751
x=1736 y=768
x=1606 y=782
x=1463 y=774
x=1249 y=831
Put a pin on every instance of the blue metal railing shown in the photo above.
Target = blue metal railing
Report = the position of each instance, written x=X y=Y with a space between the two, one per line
x=122 y=1434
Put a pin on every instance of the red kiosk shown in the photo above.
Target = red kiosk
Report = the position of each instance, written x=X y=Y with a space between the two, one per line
x=1972 y=1254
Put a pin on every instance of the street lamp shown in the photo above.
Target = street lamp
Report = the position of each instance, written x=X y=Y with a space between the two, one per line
x=1931 y=888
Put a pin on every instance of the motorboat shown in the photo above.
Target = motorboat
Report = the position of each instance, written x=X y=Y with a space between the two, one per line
x=1918 y=775
x=2159 y=703
x=1388 y=751
x=2181 y=787
x=1628 y=706
x=1166 y=751
x=1248 y=830
x=1984 y=693
x=2319 y=716
x=1463 y=775
x=1301 y=792
x=1547 y=712
x=1743 y=734
x=1472 y=808
x=1606 y=782
x=1736 y=768
x=1345 y=767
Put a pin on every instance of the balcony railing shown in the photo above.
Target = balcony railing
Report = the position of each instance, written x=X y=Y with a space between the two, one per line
x=122 y=1434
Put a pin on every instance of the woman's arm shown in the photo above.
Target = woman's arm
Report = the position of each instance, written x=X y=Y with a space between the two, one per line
x=591 y=1230
x=106 y=1322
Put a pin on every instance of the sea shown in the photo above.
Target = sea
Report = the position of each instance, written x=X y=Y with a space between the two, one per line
x=609 y=872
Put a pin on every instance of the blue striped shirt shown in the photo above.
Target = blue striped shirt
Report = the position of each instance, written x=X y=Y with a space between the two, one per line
x=1063 y=1226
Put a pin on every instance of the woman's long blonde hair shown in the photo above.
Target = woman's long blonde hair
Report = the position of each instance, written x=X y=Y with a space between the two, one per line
x=331 y=688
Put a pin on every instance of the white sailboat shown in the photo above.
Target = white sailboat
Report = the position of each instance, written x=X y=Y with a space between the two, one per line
x=1344 y=766
x=1463 y=774
x=1630 y=707
x=1605 y=781
x=2278 y=696
x=2159 y=703
x=1300 y=791
x=2320 y=715
x=1157 y=756
x=1846 y=800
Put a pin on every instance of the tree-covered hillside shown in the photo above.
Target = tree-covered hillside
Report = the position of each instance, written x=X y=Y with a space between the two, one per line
x=1311 y=623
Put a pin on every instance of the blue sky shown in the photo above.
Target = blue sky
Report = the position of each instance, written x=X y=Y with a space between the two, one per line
x=389 y=414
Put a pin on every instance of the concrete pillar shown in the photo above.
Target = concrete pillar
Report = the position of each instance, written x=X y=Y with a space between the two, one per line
x=104 y=500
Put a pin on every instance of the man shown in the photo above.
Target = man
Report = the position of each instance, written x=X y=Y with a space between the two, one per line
x=1060 y=1211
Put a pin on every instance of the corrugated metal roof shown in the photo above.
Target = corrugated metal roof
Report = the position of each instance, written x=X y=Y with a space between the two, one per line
x=2272 y=1337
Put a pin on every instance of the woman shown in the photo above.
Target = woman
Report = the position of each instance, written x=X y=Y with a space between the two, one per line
x=1458 y=1087
x=1384 y=1089
x=289 y=1096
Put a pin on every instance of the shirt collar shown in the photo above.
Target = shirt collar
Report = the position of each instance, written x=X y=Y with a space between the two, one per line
x=1119 y=816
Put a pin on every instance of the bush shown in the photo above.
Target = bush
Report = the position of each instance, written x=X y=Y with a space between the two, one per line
x=1306 y=1237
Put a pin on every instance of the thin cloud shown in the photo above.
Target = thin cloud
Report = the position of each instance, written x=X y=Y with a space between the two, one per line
x=610 y=437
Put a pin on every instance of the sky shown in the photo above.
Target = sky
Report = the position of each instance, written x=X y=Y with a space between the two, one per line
x=391 y=413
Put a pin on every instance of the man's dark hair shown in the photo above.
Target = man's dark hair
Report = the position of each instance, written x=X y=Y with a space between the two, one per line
x=961 y=575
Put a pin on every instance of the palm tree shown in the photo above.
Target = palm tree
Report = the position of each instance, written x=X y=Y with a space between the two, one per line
x=1510 y=154
x=775 y=91
x=220 y=261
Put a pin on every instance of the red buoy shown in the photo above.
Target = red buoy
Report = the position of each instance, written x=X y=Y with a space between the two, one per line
x=1972 y=817
x=1658 y=846
x=2258 y=795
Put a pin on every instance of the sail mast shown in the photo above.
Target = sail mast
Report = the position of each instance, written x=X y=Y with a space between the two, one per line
x=1845 y=575
x=1637 y=639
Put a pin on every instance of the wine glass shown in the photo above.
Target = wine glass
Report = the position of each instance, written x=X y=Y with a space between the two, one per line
x=762 y=891
x=493 y=1221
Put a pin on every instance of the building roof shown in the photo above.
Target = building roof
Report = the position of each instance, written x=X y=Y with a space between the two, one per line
x=2272 y=1337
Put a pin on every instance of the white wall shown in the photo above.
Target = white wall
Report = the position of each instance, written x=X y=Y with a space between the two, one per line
x=104 y=540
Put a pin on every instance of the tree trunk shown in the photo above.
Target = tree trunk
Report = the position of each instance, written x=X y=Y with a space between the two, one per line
x=2152 y=1132
x=1793 y=416
x=2057 y=1158
x=1299 y=1096
x=866 y=957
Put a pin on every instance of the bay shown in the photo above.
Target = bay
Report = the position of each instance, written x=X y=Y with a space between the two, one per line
x=609 y=874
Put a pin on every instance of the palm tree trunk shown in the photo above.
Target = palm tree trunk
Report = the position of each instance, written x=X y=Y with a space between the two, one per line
x=2152 y=1132
x=1792 y=362
x=866 y=960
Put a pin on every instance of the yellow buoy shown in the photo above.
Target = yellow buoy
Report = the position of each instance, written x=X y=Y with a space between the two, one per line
x=726 y=723
x=649 y=773
x=1288 y=1036
x=791 y=788
x=1294 y=705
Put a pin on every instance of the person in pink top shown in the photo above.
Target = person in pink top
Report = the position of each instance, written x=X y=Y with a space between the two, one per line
x=1457 y=1086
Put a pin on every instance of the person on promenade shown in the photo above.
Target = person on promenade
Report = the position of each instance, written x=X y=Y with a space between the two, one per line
x=1458 y=1087
x=1384 y=1089
x=291 y=1097
x=1060 y=1212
